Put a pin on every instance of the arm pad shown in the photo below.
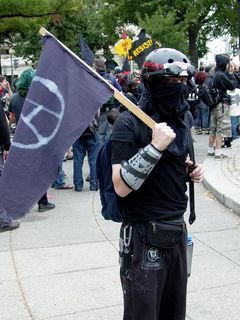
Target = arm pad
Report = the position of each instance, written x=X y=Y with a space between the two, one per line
x=135 y=171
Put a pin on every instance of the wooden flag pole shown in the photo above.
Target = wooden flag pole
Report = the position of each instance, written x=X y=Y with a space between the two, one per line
x=117 y=94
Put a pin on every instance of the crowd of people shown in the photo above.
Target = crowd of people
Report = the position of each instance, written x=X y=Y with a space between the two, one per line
x=222 y=126
x=222 y=122
x=149 y=179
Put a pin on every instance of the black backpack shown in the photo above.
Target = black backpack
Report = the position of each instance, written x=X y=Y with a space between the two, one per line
x=208 y=93
x=110 y=205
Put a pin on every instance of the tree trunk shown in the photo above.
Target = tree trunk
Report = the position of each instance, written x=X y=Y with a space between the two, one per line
x=192 y=36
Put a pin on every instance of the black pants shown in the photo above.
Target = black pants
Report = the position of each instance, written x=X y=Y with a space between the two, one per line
x=157 y=285
x=44 y=199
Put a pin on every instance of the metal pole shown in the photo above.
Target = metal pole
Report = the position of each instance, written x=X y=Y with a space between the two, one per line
x=11 y=70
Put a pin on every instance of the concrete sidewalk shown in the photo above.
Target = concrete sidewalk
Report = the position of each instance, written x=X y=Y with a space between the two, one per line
x=63 y=264
x=222 y=178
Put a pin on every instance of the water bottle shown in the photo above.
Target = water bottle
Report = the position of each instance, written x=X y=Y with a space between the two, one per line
x=189 y=254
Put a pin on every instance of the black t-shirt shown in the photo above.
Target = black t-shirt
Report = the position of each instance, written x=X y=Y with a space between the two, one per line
x=16 y=104
x=163 y=193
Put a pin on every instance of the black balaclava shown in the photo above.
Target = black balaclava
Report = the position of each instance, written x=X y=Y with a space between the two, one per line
x=170 y=105
x=169 y=100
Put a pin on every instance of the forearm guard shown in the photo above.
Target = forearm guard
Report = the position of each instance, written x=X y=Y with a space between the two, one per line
x=135 y=171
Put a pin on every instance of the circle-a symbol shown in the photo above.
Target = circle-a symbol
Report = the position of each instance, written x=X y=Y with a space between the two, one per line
x=37 y=110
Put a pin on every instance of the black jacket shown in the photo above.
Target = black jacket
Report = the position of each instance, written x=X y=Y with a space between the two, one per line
x=4 y=131
x=224 y=81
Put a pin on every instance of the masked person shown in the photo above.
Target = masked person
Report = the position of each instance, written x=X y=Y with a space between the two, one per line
x=151 y=184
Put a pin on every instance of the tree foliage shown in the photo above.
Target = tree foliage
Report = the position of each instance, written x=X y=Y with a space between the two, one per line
x=66 y=24
x=185 y=25
x=17 y=16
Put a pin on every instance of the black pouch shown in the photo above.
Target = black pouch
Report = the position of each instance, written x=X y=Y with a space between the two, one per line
x=165 y=235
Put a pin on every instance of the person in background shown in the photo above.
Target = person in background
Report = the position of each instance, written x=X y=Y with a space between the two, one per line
x=132 y=89
x=202 y=118
x=105 y=128
x=234 y=107
x=5 y=88
x=220 y=118
x=5 y=94
x=59 y=183
x=86 y=144
x=6 y=222
x=15 y=109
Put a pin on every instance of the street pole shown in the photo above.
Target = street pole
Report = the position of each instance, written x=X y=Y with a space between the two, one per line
x=11 y=51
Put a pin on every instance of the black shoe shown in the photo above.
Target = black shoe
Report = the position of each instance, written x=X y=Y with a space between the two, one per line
x=45 y=206
x=13 y=225
x=87 y=178
x=93 y=188
x=226 y=145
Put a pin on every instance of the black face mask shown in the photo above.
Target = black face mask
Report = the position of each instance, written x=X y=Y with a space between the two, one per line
x=169 y=100
x=170 y=104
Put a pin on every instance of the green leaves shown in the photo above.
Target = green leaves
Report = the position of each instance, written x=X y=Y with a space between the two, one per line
x=159 y=24
x=184 y=25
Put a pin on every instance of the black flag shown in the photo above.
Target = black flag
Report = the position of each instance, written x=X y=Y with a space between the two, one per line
x=86 y=53
x=141 y=48
x=126 y=66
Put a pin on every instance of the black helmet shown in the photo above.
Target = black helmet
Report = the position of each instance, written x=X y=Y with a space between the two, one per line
x=166 y=62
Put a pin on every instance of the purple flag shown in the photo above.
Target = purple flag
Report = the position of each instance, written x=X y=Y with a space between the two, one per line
x=63 y=98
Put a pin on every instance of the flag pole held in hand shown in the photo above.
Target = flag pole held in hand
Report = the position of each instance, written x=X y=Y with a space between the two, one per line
x=117 y=94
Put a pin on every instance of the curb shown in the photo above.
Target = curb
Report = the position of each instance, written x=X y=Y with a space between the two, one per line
x=217 y=181
x=223 y=198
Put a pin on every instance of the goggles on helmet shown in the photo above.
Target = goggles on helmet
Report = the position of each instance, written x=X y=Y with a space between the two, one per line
x=179 y=69
x=175 y=69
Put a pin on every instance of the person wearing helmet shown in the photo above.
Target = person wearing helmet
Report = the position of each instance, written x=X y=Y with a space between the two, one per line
x=150 y=181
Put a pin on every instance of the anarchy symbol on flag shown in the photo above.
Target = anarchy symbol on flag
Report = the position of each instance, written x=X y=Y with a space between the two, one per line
x=37 y=110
